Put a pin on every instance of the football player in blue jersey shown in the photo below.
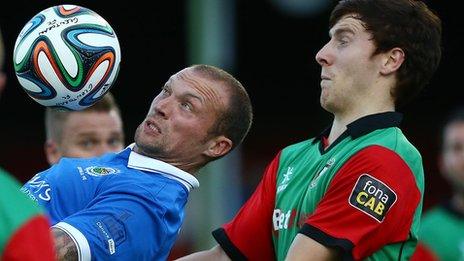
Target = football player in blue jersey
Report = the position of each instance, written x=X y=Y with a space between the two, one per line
x=130 y=205
x=91 y=132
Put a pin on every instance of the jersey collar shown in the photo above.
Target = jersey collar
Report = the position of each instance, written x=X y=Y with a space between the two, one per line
x=363 y=126
x=367 y=124
x=141 y=162
x=370 y=123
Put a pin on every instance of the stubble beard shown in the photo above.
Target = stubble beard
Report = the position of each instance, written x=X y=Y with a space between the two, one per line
x=151 y=149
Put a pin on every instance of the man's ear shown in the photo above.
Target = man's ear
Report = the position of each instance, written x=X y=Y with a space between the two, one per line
x=392 y=61
x=52 y=152
x=218 y=147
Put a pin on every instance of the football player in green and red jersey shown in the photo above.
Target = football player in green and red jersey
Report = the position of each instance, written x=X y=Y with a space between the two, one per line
x=25 y=232
x=356 y=190
x=442 y=227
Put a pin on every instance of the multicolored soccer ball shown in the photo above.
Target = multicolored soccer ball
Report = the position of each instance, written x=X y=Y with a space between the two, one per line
x=67 y=56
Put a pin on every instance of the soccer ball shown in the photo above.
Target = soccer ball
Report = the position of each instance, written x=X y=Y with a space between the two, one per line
x=67 y=56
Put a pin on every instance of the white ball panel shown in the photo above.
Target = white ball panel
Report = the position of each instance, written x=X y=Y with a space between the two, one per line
x=28 y=85
x=98 y=40
x=98 y=74
x=46 y=69
x=68 y=7
x=64 y=54
x=22 y=49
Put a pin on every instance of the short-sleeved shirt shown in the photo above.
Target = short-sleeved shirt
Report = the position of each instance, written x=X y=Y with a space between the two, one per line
x=442 y=232
x=24 y=230
x=122 y=206
x=361 y=195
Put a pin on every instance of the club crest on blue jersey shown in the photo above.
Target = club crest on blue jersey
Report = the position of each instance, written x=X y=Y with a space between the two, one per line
x=101 y=171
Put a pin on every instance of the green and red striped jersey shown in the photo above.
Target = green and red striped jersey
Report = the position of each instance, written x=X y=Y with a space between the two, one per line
x=361 y=195
x=442 y=232
x=24 y=230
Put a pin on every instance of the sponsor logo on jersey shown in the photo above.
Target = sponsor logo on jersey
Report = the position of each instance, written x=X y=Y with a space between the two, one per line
x=109 y=239
x=283 y=219
x=287 y=176
x=101 y=171
x=372 y=197
x=37 y=189
x=111 y=246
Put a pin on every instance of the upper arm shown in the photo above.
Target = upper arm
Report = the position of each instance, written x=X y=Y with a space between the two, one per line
x=305 y=248
x=371 y=202
x=129 y=226
x=65 y=246
x=248 y=235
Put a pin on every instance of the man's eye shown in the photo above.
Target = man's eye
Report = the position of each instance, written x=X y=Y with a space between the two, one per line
x=186 y=105
x=87 y=143
x=343 y=41
x=115 y=142
x=165 y=91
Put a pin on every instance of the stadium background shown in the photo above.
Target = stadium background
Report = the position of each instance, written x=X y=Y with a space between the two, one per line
x=269 y=45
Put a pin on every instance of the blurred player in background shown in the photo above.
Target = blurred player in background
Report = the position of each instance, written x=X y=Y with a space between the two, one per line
x=442 y=227
x=355 y=191
x=130 y=205
x=24 y=229
x=88 y=133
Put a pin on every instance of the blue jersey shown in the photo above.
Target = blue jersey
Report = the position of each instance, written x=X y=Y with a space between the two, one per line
x=121 y=206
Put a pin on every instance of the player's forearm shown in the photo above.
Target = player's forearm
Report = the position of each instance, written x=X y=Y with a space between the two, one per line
x=65 y=247
x=215 y=253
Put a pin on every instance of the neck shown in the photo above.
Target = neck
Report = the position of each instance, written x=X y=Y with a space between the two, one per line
x=189 y=166
x=341 y=120
x=375 y=99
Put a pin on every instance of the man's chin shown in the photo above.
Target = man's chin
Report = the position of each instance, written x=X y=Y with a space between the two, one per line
x=147 y=148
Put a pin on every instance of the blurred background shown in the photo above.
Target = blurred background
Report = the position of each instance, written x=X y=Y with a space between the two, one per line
x=269 y=45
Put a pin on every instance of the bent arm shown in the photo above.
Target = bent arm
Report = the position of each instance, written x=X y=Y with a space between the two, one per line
x=216 y=253
x=306 y=248
x=65 y=247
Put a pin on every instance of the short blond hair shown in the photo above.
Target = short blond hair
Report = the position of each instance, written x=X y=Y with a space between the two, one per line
x=55 y=118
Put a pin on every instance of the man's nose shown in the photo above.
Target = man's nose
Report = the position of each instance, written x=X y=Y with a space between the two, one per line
x=162 y=107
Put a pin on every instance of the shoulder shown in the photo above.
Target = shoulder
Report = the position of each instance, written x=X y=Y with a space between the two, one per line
x=11 y=196
x=438 y=223
x=7 y=181
x=380 y=164
x=16 y=206
x=435 y=215
x=381 y=146
x=302 y=145
x=394 y=139
x=3 y=172
x=98 y=166
x=405 y=147
x=376 y=156
x=298 y=150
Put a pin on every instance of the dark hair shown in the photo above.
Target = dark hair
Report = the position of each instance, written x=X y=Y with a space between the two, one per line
x=406 y=24
x=55 y=118
x=236 y=120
